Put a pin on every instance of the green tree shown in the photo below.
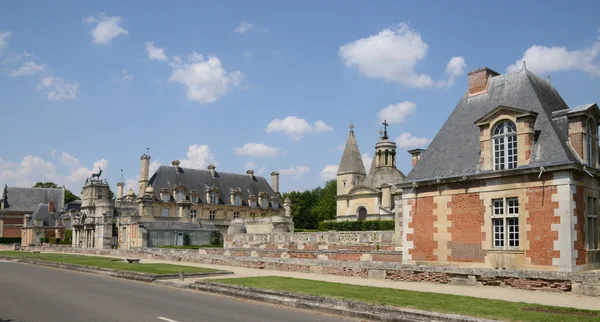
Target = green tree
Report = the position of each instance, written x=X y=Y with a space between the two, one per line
x=111 y=194
x=312 y=206
x=325 y=208
x=69 y=196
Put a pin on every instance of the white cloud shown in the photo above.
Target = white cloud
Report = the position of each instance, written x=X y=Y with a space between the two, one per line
x=542 y=59
x=57 y=89
x=296 y=172
x=329 y=172
x=296 y=127
x=198 y=157
x=257 y=150
x=206 y=80
x=454 y=69
x=155 y=52
x=107 y=28
x=367 y=159
x=407 y=140
x=243 y=27
x=320 y=126
x=126 y=76
x=28 y=68
x=248 y=54
x=131 y=184
x=33 y=169
x=52 y=152
x=396 y=113
x=393 y=55
x=250 y=165
x=4 y=35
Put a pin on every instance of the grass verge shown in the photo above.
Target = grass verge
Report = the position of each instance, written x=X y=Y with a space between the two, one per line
x=444 y=303
x=107 y=262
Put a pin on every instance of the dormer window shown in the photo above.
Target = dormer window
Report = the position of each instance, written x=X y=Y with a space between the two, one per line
x=265 y=202
x=589 y=144
x=195 y=199
x=165 y=197
x=213 y=197
x=180 y=195
x=237 y=200
x=505 y=145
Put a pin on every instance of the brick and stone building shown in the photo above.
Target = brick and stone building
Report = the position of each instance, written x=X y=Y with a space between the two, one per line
x=511 y=181
x=16 y=202
x=44 y=222
x=373 y=195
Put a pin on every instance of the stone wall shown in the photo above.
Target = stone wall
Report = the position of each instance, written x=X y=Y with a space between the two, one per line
x=580 y=283
x=332 y=240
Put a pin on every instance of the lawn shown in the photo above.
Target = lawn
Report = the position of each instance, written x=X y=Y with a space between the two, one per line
x=455 y=304
x=107 y=262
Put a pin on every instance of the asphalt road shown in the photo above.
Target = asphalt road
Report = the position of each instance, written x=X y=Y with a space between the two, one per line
x=32 y=293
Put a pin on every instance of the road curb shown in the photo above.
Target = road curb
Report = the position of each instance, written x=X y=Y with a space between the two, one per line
x=329 y=305
x=140 y=277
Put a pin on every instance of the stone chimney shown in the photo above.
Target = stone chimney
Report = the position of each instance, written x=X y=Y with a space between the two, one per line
x=26 y=220
x=176 y=165
x=211 y=168
x=50 y=206
x=478 y=80
x=120 y=190
x=416 y=155
x=250 y=174
x=275 y=181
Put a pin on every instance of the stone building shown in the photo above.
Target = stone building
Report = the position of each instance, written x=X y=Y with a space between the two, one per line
x=510 y=181
x=16 y=202
x=372 y=196
x=209 y=197
x=44 y=222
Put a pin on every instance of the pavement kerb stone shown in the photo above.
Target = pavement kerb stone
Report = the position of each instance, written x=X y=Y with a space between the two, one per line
x=329 y=305
x=136 y=276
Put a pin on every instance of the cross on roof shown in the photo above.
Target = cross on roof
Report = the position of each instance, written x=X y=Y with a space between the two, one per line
x=385 y=125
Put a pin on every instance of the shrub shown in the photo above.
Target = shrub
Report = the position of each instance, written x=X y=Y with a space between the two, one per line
x=215 y=238
x=300 y=230
x=53 y=241
x=66 y=242
x=10 y=240
x=365 y=225
x=187 y=240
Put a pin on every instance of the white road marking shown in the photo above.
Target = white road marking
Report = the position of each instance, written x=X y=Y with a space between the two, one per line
x=166 y=319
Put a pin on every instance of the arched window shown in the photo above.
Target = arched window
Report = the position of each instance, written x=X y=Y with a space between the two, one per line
x=589 y=144
x=505 y=145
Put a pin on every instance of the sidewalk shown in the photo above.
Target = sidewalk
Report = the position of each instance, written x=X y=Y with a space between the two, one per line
x=489 y=292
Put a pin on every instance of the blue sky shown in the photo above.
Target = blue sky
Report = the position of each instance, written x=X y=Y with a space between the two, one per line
x=268 y=85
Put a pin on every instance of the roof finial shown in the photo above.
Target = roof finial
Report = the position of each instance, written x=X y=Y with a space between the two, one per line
x=121 y=180
x=380 y=133
x=351 y=127
x=385 y=125
x=524 y=65
x=549 y=80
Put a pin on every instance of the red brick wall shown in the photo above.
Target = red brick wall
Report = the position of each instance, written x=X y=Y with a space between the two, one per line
x=423 y=230
x=579 y=243
x=467 y=215
x=12 y=232
x=13 y=221
x=541 y=217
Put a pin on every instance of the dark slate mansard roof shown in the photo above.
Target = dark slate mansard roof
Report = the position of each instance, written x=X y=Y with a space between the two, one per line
x=28 y=199
x=175 y=225
x=41 y=212
x=455 y=150
x=200 y=180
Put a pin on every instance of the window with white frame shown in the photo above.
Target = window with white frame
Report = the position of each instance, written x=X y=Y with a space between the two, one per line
x=592 y=224
x=167 y=237
x=180 y=195
x=253 y=203
x=265 y=202
x=236 y=214
x=212 y=215
x=505 y=223
x=213 y=197
x=193 y=214
x=195 y=199
x=274 y=205
x=166 y=197
x=153 y=238
x=237 y=200
x=505 y=145
x=193 y=238
x=164 y=212
x=589 y=144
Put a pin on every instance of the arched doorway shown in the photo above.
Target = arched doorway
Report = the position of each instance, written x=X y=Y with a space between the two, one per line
x=362 y=213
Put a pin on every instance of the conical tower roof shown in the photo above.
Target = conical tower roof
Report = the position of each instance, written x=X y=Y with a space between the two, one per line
x=351 y=159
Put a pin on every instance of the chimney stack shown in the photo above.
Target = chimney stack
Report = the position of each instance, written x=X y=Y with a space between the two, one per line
x=176 y=165
x=275 y=181
x=211 y=168
x=50 y=206
x=120 y=190
x=250 y=174
x=26 y=220
x=478 y=80
x=416 y=155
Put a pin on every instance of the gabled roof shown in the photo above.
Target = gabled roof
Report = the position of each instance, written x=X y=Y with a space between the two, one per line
x=351 y=159
x=455 y=149
x=27 y=199
x=201 y=180
x=42 y=213
x=518 y=111
x=579 y=110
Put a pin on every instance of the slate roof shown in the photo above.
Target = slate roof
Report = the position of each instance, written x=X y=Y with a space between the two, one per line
x=28 y=199
x=41 y=212
x=201 y=180
x=455 y=149
x=351 y=158
x=173 y=225
x=73 y=205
